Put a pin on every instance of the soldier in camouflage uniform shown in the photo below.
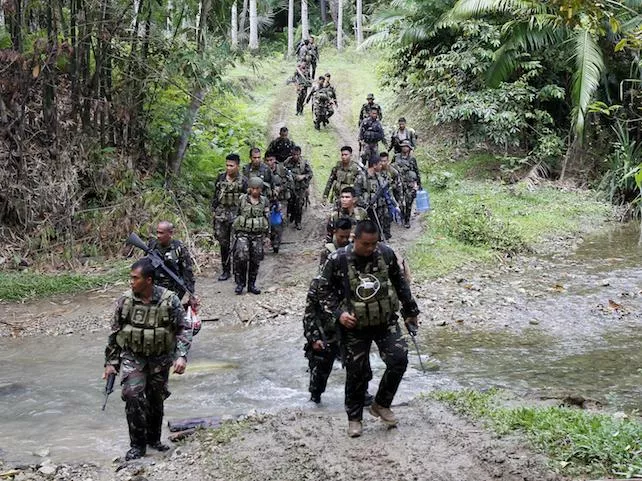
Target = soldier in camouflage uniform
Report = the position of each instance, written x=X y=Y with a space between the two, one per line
x=303 y=82
x=149 y=334
x=301 y=173
x=250 y=227
x=258 y=168
x=313 y=49
x=406 y=165
x=403 y=133
x=344 y=174
x=177 y=259
x=361 y=287
x=367 y=108
x=320 y=103
x=281 y=147
x=392 y=181
x=230 y=185
x=283 y=182
x=347 y=210
x=370 y=134
x=369 y=189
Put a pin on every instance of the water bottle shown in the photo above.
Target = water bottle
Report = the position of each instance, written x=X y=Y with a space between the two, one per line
x=423 y=201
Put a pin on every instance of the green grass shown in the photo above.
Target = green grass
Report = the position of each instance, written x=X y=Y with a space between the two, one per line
x=19 y=286
x=578 y=442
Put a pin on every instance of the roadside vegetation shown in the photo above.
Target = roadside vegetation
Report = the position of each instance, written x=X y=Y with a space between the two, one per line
x=578 y=442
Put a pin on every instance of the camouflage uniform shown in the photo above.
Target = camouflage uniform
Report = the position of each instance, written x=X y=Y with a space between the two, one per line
x=371 y=133
x=341 y=177
x=299 y=189
x=321 y=108
x=397 y=137
x=365 y=112
x=368 y=189
x=225 y=206
x=249 y=226
x=302 y=82
x=355 y=216
x=410 y=182
x=264 y=173
x=281 y=148
x=282 y=181
x=178 y=260
x=144 y=360
x=313 y=50
x=376 y=319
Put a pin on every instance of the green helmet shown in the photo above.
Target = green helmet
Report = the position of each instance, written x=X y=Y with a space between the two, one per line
x=255 y=183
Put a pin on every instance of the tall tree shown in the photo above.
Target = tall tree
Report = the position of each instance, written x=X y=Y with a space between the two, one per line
x=324 y=11
x=290 y=27
x=254 y=27
x=305 y=26
x=359 y=29
x=234 y=28
x=340 y=25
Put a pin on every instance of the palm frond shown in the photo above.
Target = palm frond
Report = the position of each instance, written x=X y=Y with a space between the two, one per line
x=464 y=9
x=589 y=64
x=375 y=40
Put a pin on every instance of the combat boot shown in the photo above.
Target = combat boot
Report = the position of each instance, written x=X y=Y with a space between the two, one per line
x=135 y=452
x=225 y=275
x=158 y=446
x=253 y=289
x=315 y=397
x=386 y=415
x=368 y=399
x=238 y=289
x=355 y=429
x=251 y=279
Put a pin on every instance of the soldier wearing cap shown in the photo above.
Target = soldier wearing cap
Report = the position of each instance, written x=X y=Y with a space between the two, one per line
x=403 y=133
x=367 y=108
x=406 y=165
x=250 y=227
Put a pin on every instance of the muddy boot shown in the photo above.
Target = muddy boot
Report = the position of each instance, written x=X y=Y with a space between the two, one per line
x=225 y=264
x=136 y=452
x=315 y=397
x=225 y=275
x=158 y=446
x=240 y=284
x=316 y=126
x=386 y=415
x=368 y=399
x=355 y=429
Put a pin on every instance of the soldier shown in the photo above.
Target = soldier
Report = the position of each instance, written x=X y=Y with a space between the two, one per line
x=230 y=185
x=320 y=103
x=302 y=81
x=370 y=134
x=257 y=168
x=283 y=182
x=369 y=188
x=177 y=259
x=367 y=107
x=301 y=175
x=408 y=170
x=313 y=50
x=344 y=174
x=281 y=147
x=250 y=226
x=149 y=334
x=347 y=210
x=403 y=133
x=361 y=286
x=392 y=181
x=330 y=88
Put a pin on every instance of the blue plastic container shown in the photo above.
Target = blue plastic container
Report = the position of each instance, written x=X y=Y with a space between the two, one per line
x=423 y=201
x=276 y=218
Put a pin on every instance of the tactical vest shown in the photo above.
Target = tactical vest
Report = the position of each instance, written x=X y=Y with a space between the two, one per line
x=406 y=171
x=346 y=178
x=147 y=328
x=229 y=192
x=251 y=218
x=372 y=134
x=171 y=257
x=372 y=306
x=372 y=186
x=280 y=179
x=298 y=169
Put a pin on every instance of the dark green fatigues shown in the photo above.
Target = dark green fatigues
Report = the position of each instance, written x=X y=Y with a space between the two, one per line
x=225 y=207
x=178 y=260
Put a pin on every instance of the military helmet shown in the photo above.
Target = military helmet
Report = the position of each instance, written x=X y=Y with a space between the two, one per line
x=405 y=143
x=255 y=182
x=328 y=74
x=370 y=97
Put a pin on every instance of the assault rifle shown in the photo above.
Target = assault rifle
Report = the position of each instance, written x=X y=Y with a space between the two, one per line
x=109 y=387
x=157 y=262
x=383 y=189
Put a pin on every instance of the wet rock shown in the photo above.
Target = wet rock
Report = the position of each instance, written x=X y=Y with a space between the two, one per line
x=43 y=453
x=533 y=322
x=605 y=283
x=48 y=469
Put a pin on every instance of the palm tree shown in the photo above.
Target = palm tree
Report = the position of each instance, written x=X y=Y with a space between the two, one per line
x=305 y=26
x=254 y=28
x=234 y=29
x=340 y=25
x=359 y=29
x=290 y=27
x=539 y=24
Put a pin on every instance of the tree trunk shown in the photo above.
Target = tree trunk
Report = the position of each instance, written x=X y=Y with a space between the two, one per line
x=174 y=166
x=234 y=28
x=359 y=32
x=305 y=26
x=340 y=25
x=290 y=27
x=254 y=27
x=242 y=20
x=324 y=11
x=168 y=19
x=334 y=7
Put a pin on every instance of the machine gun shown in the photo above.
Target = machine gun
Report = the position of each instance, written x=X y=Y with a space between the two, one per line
x=109 y=388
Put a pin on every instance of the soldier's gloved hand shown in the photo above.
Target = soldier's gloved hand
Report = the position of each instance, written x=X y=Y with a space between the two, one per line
x=179 y=365
x=412 y=324
x=347 y=320
x=318 y=345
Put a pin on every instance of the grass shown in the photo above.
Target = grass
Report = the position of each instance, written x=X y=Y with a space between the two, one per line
x=577 y=442
x=20 y=286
